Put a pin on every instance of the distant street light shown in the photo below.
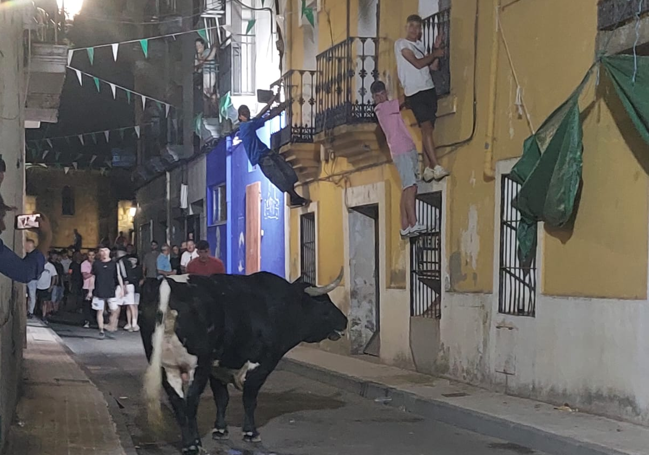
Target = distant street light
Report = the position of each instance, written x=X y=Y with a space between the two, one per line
x=71 y=7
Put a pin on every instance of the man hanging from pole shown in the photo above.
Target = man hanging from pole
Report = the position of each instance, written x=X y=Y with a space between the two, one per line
x=272 y=164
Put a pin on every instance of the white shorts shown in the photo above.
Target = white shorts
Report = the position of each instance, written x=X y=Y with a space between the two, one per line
x=99 y=304
x=131 y=298
x=408 y=167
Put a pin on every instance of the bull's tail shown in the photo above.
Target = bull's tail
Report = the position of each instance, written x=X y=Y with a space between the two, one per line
x=153 y=375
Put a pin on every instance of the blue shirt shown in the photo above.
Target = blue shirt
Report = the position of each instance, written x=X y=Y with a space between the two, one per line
x=19 y=269
x=163 y=263
x=255 y=149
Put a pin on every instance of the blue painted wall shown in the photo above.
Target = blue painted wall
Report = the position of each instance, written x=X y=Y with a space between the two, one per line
x=229 y=163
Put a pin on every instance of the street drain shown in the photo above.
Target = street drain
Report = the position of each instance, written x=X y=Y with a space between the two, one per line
x=511 y=447
x=455 y=395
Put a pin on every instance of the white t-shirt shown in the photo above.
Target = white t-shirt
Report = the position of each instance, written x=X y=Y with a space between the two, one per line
x=45 y=280
x=412 y=79
x=187 y=257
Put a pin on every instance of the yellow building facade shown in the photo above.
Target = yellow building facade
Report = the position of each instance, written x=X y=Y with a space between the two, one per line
x=569 y=328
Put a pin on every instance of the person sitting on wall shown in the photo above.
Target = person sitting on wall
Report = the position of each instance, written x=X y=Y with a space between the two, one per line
x=272 y=164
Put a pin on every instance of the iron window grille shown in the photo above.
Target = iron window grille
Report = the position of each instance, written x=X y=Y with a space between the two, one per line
x=307 y=248
x=432 y=26
x=517 y=280
x=426 y=259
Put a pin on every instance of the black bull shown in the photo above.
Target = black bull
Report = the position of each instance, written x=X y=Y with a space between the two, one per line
x=228 y=329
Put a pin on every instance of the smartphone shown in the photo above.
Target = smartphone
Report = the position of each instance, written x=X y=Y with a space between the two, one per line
x=27 y=222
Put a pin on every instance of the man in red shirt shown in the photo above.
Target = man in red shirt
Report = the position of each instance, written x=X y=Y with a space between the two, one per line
x=205 y=264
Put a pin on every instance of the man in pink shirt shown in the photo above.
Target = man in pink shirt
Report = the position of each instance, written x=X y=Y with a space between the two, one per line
x=404 y=155
x=88 y=287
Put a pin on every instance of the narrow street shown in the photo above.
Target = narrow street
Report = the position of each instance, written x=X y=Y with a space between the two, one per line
x=296 y=415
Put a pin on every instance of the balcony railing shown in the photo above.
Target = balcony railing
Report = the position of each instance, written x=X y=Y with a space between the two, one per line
x=433 y=26
x=298 y=92
x=613 y=13
x=345 y=73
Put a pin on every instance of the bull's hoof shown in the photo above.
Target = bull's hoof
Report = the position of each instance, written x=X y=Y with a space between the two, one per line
x=219 y=434
x=251 y=436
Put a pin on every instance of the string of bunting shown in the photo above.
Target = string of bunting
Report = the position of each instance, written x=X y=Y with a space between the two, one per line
x=144 y=42
x=39 y=143
x=129 y=92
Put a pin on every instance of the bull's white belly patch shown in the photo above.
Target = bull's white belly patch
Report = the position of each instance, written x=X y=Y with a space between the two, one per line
x=233 y=376
x=178 y=363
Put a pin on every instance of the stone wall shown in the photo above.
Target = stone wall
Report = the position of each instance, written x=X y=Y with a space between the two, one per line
x=12 y=296
x=95 y=204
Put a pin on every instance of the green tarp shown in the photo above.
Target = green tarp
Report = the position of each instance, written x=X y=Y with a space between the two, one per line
x=634 y=95
x=551 y=165
x=549 y=172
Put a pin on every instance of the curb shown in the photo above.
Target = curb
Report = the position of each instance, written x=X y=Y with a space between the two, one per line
x=484 y=424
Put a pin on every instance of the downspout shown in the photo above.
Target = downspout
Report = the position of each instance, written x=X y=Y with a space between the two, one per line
x=489 y=171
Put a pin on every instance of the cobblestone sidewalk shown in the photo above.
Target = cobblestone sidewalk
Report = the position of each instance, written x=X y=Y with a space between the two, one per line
x=61 y=411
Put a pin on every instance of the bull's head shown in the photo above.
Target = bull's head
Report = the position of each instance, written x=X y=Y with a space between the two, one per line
x=327 y=320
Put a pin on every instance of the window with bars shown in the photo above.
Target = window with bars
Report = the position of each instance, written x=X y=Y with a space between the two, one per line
x=426 y=259
x=517 y=279
x=307 y=248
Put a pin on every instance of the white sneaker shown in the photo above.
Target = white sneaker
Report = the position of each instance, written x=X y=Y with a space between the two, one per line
x=127 y=327
x=136 y=328
x=418 y=229
x=405 y=232
x=86 y=325
x=429 y=175
x=439 y=173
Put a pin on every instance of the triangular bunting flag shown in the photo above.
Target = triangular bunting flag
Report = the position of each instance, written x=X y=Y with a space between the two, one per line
x=137 y=130
x=45 y=154
x=167 y=106
x=79 y=156
x=107 y=136
x=92 y=160
x=102 y=171
x=66 y=169
x=145 y=47
x=76 y=165
x=143 y=102
x=96 y=79
x=115 y=47
x=81 y=139
x=91 y=55
x=70 y=54
x=94 y=137
x=49 y=142
x=251 y=24
x=79 y=76
x=128 y=96
x=109 y=164
x=113 y=88
x=203 y=34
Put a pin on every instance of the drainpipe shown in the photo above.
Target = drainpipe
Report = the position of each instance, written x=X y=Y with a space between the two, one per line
x=489 y=171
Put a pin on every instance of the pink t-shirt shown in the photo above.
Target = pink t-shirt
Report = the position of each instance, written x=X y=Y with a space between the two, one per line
x=396 y=132
x=88 y=284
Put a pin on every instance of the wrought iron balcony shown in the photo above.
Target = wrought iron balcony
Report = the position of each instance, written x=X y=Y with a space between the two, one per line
x=345 y=73
x=431 y=28
x=298 y=90
x=613 y=13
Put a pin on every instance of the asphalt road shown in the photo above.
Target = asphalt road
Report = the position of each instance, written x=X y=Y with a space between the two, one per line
x=296 y=416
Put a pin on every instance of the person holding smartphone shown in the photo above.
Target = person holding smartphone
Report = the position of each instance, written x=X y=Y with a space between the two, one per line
x=31 y=266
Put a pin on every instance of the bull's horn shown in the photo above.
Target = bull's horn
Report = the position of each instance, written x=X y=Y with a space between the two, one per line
x=315 y=291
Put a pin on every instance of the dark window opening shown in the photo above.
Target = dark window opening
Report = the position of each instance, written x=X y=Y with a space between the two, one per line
x=517 y=280
x=307 y=248
x=67 y=201
x=426 y=259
